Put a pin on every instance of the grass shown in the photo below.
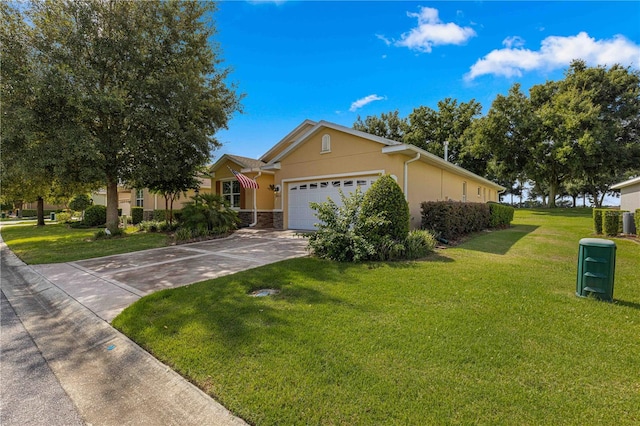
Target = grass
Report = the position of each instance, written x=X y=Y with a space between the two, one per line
x=489 y=332
x=54 y=243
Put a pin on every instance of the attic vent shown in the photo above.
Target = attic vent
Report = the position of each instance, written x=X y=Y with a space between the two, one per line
x=326 y=143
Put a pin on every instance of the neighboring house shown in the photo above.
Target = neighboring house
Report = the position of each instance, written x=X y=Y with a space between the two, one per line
x=141 y=197
x=629 y=194
x=318 y=159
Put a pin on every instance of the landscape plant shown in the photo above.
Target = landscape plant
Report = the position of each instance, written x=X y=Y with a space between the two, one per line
x=80 y=202
x=597 y=220
x=95 y=215
x=636 y=218
x=209 y=213
x=137 y=215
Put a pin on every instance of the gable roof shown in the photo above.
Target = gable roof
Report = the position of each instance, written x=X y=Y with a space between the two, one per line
x=388 y=146
x=626 y=183
x=243 y=162
x=286 y=140
x=328 y=125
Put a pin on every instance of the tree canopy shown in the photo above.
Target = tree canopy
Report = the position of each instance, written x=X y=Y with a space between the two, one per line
x=130 y=87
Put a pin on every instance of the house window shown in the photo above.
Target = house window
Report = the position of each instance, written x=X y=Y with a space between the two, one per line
x=478 y=191
x=231 y=192
x=139 y=197
x=326 y=143
x=464 y=192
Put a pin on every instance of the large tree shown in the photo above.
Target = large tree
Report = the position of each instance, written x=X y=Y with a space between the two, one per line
x=430 y=129
x=143 y=79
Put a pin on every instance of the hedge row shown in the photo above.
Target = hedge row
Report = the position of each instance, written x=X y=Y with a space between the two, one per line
x=608 y=222
x=34 y=212
x=451 y=220
x=137 y=215
x=636 y=217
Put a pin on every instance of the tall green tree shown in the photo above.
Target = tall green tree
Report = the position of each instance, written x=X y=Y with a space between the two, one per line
x=140 y=79
x=389 y=125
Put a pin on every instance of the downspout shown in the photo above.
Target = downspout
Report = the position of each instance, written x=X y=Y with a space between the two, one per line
x=406 y=175
x=255 y=207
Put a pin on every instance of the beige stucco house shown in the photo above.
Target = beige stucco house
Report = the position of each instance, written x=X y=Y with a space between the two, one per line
x=318 y=159
x=629 y=194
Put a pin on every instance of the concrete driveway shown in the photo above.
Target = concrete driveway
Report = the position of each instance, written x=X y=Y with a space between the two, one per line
x=109 y=284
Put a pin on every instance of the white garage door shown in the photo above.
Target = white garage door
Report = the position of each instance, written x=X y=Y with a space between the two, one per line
x=301 y=216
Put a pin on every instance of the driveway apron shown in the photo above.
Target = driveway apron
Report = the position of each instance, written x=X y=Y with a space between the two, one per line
x=109 y=284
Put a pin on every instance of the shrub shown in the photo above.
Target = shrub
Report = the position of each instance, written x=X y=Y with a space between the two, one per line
x=210 y=212
x=612 y=222
x=636 y=218
x=136 y=215
x=418 y=244
x=385 y=198
x=340 y=232
x=452 y=220
x=34 y=212
x=63 y=217
x=95 y=215
x=183 y=234
x=149 y=226
x=160 y=215
x=501 y=216
x=597 y=221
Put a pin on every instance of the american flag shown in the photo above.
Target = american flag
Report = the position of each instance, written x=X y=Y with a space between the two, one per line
x=245 y=182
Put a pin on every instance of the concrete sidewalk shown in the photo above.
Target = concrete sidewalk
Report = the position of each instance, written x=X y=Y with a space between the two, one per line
x=110 y=379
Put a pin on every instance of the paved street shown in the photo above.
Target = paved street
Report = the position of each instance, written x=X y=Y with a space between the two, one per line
x=30 y=392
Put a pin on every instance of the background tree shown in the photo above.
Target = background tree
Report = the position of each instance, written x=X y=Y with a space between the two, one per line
x=136 y=79
x=389 y=126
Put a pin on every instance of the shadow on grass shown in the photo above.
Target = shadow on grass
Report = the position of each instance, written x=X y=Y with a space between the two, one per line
x=499 y=242
x=632 y=305
x=566 y=212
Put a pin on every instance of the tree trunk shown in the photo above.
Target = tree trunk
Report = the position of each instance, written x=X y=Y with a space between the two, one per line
x=40 y=210
x=575 y=200
x=112 y=205
x=596 y=201
x=552 y=196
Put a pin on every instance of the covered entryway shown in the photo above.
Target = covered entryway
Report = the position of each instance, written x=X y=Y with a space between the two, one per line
x=301 y=193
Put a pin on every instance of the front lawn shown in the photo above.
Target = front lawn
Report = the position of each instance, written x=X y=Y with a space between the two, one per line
x=54 y=243
x=489 y=332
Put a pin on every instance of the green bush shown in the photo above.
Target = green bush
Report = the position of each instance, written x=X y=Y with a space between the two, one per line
x=386 y=200
x=95 y=215
x=612 y=222
x=102 y=234
x=501 y=215
x=136 y=215
x=160 y=215
x=636 y=218
x=452 y=220
x=149 y=226
x=340 y=235
x=597 y=220
x=418 y=244
x=211 y=213
x=63 y=217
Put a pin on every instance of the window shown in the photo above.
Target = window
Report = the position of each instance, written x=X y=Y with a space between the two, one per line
x=478 y=191
x=303 y=187
x=326 y=143
x=139 y=197
x=313 y=186
x=231 y=192
x=361 y=182
x=335 y=184
x=324 y=184
x=348 y=183
x=464 y=192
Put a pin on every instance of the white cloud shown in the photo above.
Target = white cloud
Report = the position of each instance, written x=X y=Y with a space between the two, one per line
x=514 y=41
x=364 y=101
x=384 y=39
x=431 y=31
x=556 y=52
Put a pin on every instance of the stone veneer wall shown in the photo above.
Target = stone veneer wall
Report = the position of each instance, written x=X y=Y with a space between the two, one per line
x=265 y=219
x=278 y=220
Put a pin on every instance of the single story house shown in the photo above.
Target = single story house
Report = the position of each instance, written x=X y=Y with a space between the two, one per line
x=629 y=194
x=318 y=159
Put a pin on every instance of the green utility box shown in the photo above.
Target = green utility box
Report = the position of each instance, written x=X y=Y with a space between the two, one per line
x=596 y=268
x=53 y=216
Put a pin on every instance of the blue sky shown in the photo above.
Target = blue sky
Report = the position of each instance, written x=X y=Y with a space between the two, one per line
x=334 y=60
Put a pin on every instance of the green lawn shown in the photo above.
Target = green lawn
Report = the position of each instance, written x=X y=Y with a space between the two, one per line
x=489 y=332
x=54 y=243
